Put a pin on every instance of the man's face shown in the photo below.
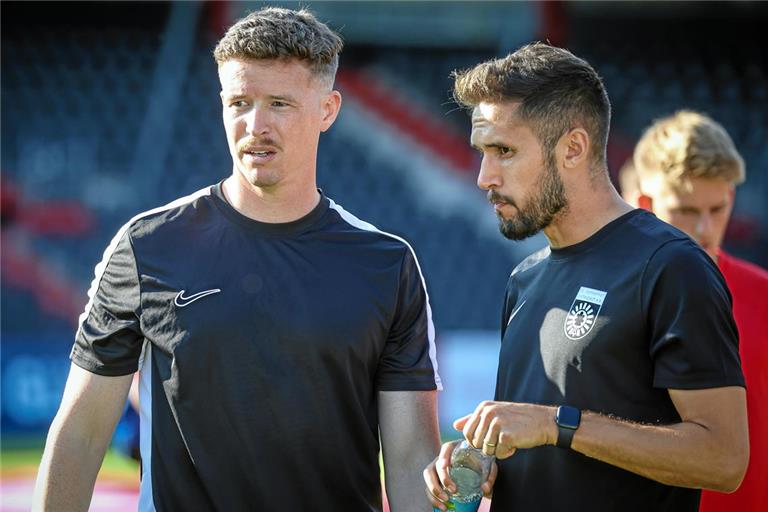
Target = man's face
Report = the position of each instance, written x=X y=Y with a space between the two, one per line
x=701 y=208
x=273 y=112
x=523 y=184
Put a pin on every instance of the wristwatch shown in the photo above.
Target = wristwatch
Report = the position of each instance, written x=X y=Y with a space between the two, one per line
x=568 y=420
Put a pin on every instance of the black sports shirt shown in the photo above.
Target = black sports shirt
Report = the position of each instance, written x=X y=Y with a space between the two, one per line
x=609 y=325
x=261 y=348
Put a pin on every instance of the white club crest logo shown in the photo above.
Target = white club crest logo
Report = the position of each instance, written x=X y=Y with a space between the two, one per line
x=582 y=316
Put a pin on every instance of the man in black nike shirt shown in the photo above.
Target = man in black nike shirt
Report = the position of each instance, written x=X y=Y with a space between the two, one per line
x=619 y=383
x=277 y=336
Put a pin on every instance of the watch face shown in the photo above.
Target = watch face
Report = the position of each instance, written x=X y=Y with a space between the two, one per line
x=568 y=417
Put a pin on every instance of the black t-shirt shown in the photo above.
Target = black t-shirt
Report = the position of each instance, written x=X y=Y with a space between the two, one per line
x=262 y=348
x=609 y=325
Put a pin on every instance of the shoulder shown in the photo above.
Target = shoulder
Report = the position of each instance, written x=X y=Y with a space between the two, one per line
x=682 y=255
x=365 y=233
x=142 y=225
x=531 y=261
x=681 y=265
x=646 y=229
x=658 y=244
x=149 y=222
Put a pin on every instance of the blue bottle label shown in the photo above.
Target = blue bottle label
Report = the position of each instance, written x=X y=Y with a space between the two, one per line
x=462 y=506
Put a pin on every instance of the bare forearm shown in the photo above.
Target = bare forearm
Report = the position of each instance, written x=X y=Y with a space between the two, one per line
x=405 y=488
x=684 y=454
x=78 y=439
x=410 y=439
x=67 y=472
x=708 y=447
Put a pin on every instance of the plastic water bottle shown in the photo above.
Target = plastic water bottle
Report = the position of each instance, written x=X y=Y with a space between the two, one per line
x=469 y=469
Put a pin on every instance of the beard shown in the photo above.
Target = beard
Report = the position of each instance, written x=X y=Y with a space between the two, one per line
x=547 y=200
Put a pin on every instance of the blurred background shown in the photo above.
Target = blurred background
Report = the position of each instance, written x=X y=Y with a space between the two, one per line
x=110 y=109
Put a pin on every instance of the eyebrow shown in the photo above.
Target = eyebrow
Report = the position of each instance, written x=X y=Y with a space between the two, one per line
x=237 y=96
x=286 y=98
x=699 y=209
x=492 y=145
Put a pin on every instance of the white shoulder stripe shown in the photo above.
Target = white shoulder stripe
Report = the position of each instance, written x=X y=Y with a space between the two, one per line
x=354 y=221
x=102 y=265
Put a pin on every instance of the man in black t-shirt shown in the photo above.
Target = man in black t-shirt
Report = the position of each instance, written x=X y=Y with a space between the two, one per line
x=277 y=336
x=619 y=383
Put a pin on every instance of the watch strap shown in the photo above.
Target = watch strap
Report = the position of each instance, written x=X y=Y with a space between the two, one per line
x=565 y=436
x=568 y=420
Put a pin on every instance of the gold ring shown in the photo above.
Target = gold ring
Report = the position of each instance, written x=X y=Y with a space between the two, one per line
x=434 y=495
x=491 y=445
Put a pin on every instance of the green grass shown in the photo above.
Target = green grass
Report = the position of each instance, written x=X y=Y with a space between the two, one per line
x=14 y=459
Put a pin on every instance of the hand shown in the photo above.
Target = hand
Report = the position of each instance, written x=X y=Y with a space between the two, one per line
x=439 y=482
x=500 y=428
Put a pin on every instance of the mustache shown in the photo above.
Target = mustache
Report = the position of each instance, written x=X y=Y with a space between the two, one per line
x=495 y=197
x=243 y=145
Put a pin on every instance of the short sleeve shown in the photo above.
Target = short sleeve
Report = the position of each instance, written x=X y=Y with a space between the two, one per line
x=109 y=340
x=408 y=362
x=693 y=337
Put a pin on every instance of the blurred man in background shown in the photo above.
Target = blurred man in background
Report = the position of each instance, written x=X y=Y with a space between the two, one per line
x=619 y=386
x=687 y=169
x=278 y=336
x=628 y=183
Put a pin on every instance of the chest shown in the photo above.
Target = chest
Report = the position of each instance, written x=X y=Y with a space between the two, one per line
x=264 y=301
x=572 y=328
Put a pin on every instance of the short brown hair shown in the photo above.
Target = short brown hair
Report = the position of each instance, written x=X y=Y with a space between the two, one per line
x=556 y=91
x=277 y=33
x=688 y=145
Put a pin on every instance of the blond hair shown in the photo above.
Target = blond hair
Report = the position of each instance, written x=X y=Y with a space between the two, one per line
x=280 y=34
x=688 y=145
x=629 y=182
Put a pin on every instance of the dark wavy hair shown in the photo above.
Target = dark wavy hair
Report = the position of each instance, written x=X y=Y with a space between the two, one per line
x=557 y=91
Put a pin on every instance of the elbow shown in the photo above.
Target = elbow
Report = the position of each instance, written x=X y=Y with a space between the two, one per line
x=733 y=479
x=729 y=483
x=732 y=471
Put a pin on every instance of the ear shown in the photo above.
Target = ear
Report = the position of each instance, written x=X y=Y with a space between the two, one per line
x=574 y=148
x=330 y=107
x=645 y=202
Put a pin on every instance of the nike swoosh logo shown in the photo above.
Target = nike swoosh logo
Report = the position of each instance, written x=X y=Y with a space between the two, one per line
x=182 y=301
x=515 y=311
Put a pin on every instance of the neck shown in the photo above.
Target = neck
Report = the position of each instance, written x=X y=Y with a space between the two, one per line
x=276 y=204
x=590 y=208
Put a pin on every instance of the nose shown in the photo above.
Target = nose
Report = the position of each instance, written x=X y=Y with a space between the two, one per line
x=257 y=122
x=489 y=176
x=704 y=225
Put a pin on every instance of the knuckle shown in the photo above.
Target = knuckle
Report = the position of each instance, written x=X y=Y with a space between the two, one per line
x=507 y=439
x=505 y=452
